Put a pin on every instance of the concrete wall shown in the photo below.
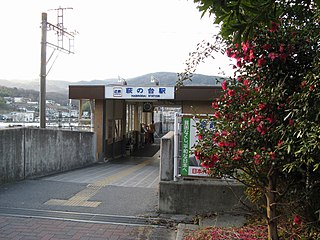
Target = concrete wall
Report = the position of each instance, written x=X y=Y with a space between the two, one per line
x=193 y=196
x=11 y=155
x=166 y=157
x=200 y=196
x=32 y=152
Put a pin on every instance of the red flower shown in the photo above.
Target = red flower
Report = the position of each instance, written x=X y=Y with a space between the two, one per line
x=246 y=83
x=274 y=27
x=280 y=106
x=240 y=151
x=281 y=48
x=231 y=93
x=200 y=137
x=266 y=47
x=279 y=143
x=217 y=114
x=303 y=84
x=215 y=105
x=272 y=155
x=257 y=118
x=273 y=56
x=270 y=119
x=207 y=164
x=291 y=122
x=297 y=220
x=230 y=144
x=261 y=129
x=261 y=62
x=257 y=159
x=231 y=53
x=214 y=158
x=251 y=55
x=236 y=158
x=224 y=85
x=257 y=89
x=262 y=106
x=245 y=47
x=239 y=63
x=224 y=133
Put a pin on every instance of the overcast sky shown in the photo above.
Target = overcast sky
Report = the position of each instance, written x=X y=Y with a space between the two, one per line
x=126 y=38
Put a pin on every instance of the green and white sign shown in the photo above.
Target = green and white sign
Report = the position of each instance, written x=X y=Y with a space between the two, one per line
x=185 y=146
x=190 y=165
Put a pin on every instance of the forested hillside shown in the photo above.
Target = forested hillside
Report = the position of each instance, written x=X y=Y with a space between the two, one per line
x=61 y=98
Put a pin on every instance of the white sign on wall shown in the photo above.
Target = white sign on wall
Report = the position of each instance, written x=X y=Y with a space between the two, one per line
x=190 y=165
x=131 y=92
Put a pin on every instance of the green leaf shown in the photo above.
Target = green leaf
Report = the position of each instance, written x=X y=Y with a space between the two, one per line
x=289 y=148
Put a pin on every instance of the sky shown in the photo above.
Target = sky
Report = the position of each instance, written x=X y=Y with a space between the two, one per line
x=126 y=38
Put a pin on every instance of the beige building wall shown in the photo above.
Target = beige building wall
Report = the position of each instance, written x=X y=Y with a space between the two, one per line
x=192 y=107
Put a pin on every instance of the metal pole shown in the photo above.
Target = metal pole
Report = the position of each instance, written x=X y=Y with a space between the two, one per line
x=43 y=71
x=177 y=118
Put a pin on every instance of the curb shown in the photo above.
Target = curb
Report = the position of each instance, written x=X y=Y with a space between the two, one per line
x=219 y=220
x=183 y=228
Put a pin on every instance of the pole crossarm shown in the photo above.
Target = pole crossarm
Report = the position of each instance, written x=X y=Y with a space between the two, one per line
x=61 y=33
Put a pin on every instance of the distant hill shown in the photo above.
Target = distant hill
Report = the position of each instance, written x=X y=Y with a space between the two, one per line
x=61 y=87
x=169 y=79
x=58 y=97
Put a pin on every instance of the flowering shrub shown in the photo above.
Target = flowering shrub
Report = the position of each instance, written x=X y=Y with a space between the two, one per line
x=222 y=233
x=287 y=230
x=267 y=120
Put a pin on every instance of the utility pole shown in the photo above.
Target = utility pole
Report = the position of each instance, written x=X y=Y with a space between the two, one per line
x=62 y=35
x=43 y=71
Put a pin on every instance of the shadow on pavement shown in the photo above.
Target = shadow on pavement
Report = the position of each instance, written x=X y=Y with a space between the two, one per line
x=148 y=150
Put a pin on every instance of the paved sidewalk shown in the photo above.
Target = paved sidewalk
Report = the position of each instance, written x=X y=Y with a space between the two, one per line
x=115 y=200
x=19 y=228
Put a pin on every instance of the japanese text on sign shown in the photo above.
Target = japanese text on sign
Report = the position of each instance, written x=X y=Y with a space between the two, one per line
x=185 y=146
x=129 y=92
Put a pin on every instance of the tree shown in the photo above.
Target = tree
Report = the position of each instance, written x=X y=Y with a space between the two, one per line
x=267 y=128
x=240 y=18
x=2 y=101
x=86 y=106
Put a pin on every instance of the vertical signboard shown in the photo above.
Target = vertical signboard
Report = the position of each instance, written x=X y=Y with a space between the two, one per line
x=190 y=165
x=185 y=146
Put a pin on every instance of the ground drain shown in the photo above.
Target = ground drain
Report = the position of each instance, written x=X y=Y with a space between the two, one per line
x=81 y=217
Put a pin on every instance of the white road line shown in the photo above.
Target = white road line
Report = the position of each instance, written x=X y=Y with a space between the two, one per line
x=151 y=173
x=131 y=179
x=153 y=182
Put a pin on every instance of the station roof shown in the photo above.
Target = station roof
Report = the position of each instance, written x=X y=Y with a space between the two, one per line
x=183 y=93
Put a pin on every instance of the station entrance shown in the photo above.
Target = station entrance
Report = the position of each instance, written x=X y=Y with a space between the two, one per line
x=121 y=115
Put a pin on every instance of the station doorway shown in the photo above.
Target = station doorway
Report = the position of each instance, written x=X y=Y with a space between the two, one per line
x=119 y=113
